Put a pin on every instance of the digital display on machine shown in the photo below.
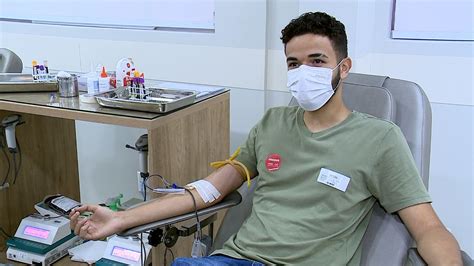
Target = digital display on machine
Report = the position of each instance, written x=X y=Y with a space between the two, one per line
x=36 y=232
x=126 y=253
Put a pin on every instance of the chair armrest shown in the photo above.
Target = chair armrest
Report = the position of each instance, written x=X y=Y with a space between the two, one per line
x=466 y=259
x=415 y=259
x=230 y=200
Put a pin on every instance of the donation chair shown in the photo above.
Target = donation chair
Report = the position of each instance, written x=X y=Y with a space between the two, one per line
x=10 y=62
x=386 y=241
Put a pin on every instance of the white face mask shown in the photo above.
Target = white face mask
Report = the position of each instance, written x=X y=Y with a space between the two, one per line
x=311 y=86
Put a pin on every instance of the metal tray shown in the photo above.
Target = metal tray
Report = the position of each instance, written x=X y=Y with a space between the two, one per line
x=15 y=82
x=157 y=100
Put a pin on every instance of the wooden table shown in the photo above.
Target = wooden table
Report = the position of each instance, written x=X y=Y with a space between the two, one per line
x=181 y=145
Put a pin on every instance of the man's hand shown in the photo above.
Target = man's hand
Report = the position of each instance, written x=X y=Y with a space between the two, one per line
x=103 y=222
x=434 y=243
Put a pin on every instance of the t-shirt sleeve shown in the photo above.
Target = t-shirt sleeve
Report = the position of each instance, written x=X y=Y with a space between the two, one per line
x=395 y=180
x=247 y=154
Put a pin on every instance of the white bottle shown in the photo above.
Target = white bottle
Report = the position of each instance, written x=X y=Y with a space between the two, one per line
x=104 y=81
x=92 y=84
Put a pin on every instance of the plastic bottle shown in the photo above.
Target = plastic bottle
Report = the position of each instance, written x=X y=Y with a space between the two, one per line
x=35 y=69
x=92 y=84
x=104 y=81
x=92 y=81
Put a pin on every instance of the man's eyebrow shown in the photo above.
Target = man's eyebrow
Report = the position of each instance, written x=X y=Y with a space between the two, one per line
x=318 y=55
x=291 y=59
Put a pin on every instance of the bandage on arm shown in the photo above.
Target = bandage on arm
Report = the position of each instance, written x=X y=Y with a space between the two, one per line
x=205 y=189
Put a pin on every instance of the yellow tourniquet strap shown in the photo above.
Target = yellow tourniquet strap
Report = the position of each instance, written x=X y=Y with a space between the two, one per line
x=235 y=163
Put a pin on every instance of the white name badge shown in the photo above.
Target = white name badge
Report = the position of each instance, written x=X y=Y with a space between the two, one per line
x=333 y=179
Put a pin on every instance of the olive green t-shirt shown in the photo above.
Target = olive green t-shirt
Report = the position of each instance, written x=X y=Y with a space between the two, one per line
x=297 y=220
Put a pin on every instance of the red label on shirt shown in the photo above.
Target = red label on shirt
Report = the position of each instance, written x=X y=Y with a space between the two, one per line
x=273 y=162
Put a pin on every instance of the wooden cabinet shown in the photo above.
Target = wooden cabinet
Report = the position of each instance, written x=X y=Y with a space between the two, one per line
x=181 y=146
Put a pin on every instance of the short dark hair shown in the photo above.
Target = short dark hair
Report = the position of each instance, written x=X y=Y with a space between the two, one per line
x=318 y=23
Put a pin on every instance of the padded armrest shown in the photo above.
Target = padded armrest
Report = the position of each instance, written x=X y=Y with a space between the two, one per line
x=230 y=200
x=466 y=259
x=415 y=259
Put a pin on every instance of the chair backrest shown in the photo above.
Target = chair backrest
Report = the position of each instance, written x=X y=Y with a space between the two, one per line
x=10 y=62
x=386 y=241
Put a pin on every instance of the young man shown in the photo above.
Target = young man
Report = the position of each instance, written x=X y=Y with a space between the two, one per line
x=321 y=168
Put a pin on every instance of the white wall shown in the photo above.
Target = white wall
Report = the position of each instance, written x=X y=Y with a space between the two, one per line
x=233 y=56
x=1 y=34
x=246 y=55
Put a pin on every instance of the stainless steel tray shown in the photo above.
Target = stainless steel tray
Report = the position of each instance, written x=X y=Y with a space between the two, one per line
x=157 y=100
x=15 y=82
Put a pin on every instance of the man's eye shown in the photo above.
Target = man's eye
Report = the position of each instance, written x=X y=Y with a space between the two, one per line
x=292 y=65
x=317 y=62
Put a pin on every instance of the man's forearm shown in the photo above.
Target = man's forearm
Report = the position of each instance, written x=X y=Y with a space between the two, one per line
x=162 y=208
x=435 y=244
x=439 y=247
x=226 y=180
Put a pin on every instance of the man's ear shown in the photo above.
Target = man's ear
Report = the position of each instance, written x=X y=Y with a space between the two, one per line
x=345 y=67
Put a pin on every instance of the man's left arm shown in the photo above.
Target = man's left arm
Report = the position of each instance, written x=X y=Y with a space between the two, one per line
x=436 y=245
